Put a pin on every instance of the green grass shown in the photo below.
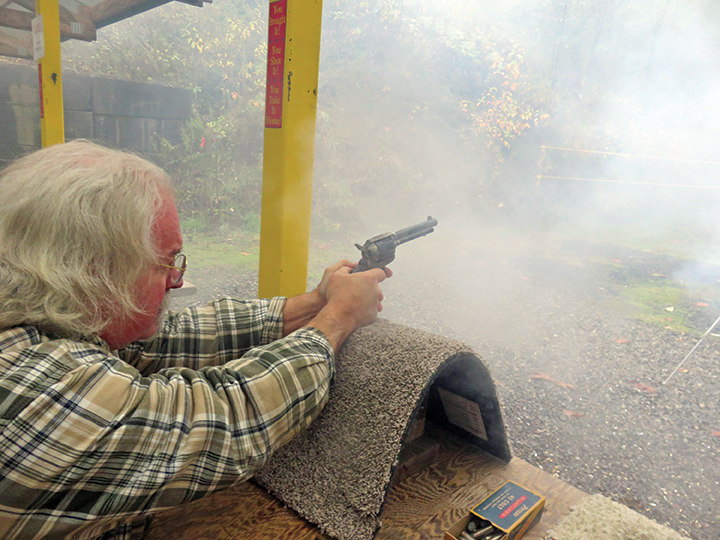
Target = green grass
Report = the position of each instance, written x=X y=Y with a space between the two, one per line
x=238 y=249
x=651 y=301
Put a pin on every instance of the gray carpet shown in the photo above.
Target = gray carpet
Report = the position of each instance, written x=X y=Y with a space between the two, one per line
x=599 y=518
x=337 y=474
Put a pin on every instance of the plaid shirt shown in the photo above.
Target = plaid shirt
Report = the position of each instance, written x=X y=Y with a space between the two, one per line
x=92 y=441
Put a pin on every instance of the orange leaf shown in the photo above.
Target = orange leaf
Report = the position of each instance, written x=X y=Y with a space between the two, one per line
x=622 y=340
x=244 y=253
x=703 y=304
x=546 y=377
x=644 y=387
x=716 y=434
x=570 y=414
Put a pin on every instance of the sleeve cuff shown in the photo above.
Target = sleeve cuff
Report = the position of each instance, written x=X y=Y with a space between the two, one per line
x=273 y=329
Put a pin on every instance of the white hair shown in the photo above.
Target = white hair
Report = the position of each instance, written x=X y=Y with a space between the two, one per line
x=76 y=233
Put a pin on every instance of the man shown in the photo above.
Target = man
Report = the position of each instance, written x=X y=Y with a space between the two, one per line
x=107 y=414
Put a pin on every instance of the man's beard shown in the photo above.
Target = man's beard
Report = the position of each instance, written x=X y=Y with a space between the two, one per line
x=163 y=310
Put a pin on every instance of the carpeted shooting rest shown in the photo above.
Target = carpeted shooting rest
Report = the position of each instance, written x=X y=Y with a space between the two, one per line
x=337 y=474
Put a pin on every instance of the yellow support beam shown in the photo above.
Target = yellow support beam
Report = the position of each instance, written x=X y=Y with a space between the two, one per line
x=290 y=114
x=52 y=120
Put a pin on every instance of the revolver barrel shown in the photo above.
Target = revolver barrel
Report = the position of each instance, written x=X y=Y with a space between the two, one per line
x=416 y=231
x=379 y=251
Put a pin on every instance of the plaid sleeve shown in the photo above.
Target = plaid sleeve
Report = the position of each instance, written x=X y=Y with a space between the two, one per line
x=208 y=336
x=89 y=445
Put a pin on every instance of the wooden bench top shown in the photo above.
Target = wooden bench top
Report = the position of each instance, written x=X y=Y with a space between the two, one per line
x=421 y=507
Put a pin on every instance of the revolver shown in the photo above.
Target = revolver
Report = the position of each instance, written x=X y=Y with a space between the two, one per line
x=379 y=251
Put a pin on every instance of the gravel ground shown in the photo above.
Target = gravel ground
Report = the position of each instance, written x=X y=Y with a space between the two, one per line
x=580 y=377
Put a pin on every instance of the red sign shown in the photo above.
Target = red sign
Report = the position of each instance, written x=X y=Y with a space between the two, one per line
x=275 y=64
x=42 y=107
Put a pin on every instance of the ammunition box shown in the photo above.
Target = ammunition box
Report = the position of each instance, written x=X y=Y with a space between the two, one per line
x=512 y=510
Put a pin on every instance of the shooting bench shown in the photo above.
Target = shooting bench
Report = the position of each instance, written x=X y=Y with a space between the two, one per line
x=411 y=438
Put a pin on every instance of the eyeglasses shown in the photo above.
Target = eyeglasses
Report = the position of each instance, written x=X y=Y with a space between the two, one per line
x=178 y=268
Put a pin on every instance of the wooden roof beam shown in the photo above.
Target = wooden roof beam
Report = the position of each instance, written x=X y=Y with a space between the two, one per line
x=110 y=11
x=82 y=25
x=70 y=27
x=17 y=47
x=13 y=52
x=196 y=3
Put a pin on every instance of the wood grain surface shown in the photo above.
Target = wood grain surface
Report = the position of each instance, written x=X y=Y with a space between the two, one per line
x=422 y=507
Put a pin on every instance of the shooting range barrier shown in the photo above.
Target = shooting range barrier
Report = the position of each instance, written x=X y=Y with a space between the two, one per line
x=337 y=474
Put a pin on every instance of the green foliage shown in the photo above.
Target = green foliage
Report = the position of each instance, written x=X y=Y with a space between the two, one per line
x=214 y=172
x=429 y=103
x=252 y=222
x=219 y=53
x=404 y=99
x=400 y=97
x=505 y=110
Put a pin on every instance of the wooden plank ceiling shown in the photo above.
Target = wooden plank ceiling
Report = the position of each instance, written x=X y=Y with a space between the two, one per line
x=79 y=19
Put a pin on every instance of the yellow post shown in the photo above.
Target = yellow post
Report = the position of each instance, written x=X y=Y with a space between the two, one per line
x=290 y=113
x=52 y=121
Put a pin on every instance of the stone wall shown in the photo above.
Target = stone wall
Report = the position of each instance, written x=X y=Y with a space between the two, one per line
x=121 y=114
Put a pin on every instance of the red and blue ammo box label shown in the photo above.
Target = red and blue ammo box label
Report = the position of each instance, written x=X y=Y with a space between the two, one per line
x=507 y=506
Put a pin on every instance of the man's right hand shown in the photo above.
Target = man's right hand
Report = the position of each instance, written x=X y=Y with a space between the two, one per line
x=353 y=300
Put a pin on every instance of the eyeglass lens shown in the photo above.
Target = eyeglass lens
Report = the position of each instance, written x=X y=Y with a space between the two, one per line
x=180 y=264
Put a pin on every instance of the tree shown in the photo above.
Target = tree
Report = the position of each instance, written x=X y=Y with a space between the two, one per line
x=219 y=53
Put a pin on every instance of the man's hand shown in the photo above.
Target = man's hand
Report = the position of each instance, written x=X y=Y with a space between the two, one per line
x=325 y=281
x=322 y=288
x=301 y=310
x=353 y=300
x=356 y=298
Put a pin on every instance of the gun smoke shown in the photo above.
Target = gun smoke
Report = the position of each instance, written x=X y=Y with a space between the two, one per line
x=569 y=151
